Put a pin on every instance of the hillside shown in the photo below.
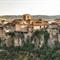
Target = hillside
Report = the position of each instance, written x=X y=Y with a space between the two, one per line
x=34 y=16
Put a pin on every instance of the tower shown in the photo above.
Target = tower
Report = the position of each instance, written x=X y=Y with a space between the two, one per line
x=27 y=17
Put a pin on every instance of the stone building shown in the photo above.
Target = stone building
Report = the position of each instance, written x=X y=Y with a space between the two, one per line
x=27 y=17
x=22 y=29
x=9 y=27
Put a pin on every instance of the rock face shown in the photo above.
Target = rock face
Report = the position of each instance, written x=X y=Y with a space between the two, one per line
x=53 y=34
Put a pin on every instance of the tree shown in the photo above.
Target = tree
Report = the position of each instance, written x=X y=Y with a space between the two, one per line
x=28 y=46
x=40 y=36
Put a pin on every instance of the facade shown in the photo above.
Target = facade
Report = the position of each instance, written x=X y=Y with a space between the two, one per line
x=28 y=24
x=9 y=27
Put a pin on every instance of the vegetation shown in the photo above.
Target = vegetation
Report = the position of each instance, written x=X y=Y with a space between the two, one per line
x=29 y=52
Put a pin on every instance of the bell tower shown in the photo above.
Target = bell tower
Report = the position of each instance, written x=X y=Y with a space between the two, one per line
x=27 y=17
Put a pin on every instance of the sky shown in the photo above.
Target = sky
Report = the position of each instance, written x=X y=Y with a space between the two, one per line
x=33 y=7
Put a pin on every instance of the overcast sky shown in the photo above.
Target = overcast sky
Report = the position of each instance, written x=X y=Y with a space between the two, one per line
x=34 y=7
